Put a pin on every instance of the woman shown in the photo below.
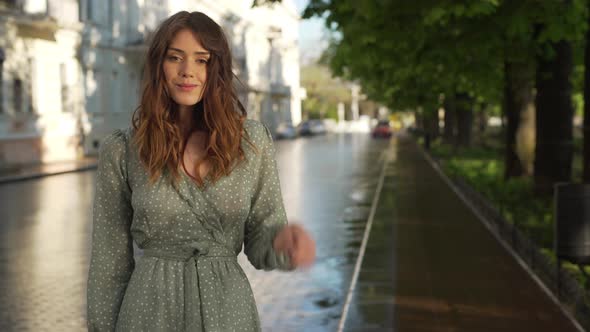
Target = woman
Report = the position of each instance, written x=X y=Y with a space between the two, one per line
x=192 y=182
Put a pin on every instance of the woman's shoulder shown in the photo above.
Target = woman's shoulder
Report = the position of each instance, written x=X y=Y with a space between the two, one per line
x=256 y=130
x=114 y=143
x=253 y=126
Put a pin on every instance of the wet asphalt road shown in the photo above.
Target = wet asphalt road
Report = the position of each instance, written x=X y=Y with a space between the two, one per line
x=328 y=183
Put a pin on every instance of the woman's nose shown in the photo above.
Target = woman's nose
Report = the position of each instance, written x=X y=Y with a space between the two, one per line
x=187 y=71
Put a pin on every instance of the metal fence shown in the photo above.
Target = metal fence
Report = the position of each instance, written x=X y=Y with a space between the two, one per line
x=564 y=286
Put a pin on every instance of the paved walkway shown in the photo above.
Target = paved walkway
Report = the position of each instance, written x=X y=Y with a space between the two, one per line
x=431 y=265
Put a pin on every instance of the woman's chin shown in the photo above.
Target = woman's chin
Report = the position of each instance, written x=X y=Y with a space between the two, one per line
x=187 y=103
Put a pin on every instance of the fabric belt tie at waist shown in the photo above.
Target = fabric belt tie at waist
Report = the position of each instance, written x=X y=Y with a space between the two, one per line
x=186 y=254
x=196 y=317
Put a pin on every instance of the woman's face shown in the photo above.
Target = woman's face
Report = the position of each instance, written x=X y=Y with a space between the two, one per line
x=185 y=68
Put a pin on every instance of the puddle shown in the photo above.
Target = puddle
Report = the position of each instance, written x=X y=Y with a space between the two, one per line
x=326 y=302
x=356 y=226
x=361 y=196
x=355 y=213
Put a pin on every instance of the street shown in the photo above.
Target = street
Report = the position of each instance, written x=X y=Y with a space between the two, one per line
x=327 y=181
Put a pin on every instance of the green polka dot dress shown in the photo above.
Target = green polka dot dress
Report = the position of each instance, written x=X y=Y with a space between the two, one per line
x=186 y=276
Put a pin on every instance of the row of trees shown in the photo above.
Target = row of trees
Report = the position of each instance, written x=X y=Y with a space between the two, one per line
x=468 y=54
x=324 y=92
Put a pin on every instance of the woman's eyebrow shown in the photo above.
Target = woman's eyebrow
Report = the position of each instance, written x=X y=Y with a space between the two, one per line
x=183 y=52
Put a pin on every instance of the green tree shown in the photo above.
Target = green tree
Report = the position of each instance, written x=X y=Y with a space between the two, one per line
x=406 y=54
x=324 y=92
x=554 y=118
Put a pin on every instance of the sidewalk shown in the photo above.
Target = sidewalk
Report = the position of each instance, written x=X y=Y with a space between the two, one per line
x=431 y=265
x=36 y=171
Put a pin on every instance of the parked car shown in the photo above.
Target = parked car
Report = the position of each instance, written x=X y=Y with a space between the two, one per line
x=318 y=127
x=311 y=127
x=286 y=130
x=304 y=128
x=382 y=130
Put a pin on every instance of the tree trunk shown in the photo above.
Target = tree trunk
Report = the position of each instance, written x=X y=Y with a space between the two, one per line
x=434 y=127
x=554 y=127
x=586 y=166
x=482 y=119
x=463 y=108
x=518 y=99
x=449 y=134
x=419 y=118
x=525 y=135
x=430 y=123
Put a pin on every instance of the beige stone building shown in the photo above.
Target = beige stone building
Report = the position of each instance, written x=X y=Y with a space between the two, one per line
x=70 y=69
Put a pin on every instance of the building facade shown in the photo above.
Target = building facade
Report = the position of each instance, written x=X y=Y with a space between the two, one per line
x=39 y=82
x=70 y=70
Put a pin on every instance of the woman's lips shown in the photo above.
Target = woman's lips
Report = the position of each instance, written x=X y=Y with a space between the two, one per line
x=186 y=87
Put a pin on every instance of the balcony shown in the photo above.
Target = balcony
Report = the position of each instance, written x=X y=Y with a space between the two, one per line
x=279 y=89
x=41 y=18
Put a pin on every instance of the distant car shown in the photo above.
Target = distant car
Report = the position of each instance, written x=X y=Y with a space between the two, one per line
x=382 y=130
x=311 y=127
x=286 y=130
x=318 y=127
x=304 y=128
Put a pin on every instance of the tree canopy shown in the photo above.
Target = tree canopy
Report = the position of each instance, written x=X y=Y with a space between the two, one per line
x=405 y=53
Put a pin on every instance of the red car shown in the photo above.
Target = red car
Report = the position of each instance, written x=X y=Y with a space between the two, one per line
x=382 y=130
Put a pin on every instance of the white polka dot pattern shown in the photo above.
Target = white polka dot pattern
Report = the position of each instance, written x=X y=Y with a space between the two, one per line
x=188 y=278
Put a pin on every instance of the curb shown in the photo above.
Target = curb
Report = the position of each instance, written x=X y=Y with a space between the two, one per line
x=359 y=261
x=17 y=178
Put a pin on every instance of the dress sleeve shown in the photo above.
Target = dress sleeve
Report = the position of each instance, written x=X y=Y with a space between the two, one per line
x=267 y=212
x=111 y=261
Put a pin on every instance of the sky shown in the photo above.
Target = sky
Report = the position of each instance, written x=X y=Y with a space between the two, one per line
x=310 y=35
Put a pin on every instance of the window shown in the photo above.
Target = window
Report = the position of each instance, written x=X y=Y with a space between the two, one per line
x=65 y=91
x=89 y=16
x=81 y=8
x=110 y=13
x=18 y=95
x=1 y=80
x=30 y=78
x=90 y=90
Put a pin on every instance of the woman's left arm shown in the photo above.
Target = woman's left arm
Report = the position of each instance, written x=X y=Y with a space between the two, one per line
x=267 y=212
x=270 y=243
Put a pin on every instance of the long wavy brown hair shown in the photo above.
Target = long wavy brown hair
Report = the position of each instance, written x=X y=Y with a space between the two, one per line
x=220 y=114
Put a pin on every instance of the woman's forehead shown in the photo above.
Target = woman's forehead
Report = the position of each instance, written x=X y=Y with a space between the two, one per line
x=185 y=41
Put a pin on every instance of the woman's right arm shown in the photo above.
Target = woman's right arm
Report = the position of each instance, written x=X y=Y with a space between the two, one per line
x=111 y=261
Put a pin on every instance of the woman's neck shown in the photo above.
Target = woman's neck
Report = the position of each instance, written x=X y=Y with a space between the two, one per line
x=191 y=118
x=185 y=119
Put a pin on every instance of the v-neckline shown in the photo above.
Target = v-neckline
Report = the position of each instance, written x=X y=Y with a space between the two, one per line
x=206 y=181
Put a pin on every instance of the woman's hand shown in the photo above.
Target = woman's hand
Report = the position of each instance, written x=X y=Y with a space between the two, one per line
x=297 y=243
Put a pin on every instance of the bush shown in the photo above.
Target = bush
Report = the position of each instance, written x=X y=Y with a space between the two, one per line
x=483 y=170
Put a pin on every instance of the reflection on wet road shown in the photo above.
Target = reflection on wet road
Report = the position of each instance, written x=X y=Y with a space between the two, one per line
x=328 y=183
x=44 y=245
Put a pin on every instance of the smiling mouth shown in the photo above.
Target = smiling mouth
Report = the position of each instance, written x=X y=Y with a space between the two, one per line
x=186 y=87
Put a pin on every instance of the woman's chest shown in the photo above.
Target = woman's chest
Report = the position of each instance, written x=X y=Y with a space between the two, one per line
x=195 y=151
x=225 y=203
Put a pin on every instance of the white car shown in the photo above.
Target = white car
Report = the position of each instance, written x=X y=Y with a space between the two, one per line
x=286 y=130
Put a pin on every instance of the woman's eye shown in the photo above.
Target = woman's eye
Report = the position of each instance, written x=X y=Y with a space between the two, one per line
x=174 y=58
x=203 y=61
